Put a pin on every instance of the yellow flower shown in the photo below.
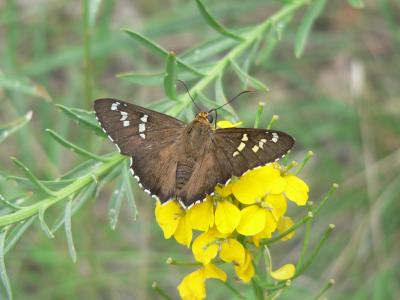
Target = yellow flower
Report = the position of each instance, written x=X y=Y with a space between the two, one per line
x=261 y=219
x=296 y=189
x=252 y=220
x=205 y=247
x=246 y=271
x=193 y=286
x=232 y=252
x=202 y=215
x=227 y=124
x=255 y=184
x=227 y=216
x=269 y=228
x=284 y=273
x=173 y=220
x=284 y=224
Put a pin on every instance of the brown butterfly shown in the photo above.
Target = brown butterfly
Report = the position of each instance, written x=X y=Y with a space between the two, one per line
x=174 y=160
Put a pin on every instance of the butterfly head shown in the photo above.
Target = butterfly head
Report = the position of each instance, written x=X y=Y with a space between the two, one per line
x=204 y=117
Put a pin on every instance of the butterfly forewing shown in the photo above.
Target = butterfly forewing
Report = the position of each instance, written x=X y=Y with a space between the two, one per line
x=148 y=137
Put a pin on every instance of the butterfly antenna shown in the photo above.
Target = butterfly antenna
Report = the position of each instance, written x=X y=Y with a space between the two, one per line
x=231 y=100
x=187 y=90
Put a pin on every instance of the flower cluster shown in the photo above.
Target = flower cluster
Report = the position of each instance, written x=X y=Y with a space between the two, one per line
x=232 y=224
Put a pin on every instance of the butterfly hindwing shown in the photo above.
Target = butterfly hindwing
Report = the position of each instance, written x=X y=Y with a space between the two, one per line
x=148 y=137
x=232 y=152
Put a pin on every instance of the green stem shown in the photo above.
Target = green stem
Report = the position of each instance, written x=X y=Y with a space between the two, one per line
x=304 y=162
x=333 y=189
x=160 y=291
x=86 y=53
x=234 y=290
x=291 y=229
x=314 y=254
x=70 y=189
x=306 y=239
x=327 y=286
x=219 y=67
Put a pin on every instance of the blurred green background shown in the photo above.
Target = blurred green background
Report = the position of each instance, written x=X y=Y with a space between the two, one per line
x=340 y=100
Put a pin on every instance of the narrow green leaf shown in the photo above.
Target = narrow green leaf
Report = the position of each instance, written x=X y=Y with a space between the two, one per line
x=220 y=97
x=8 y=129
x=159 y=50
x=250 y=58
x=170 y=76
x=53 y=184
x=94 y=6
x=3 y=270
x=127 y=185
x=83 y=117
x=247 y=78
x=43 y=223
x=74 y=147
x=68 y=230
x=312 y=13
x=215 y=24
x=82 y=169
x=356 y=3
x=23 y=85
x=16 y=232
x=10 y=203
x=260 y=111
x=207 y=49
x=148 y=79
x=83 y=196
x=114 y=205
x=32 y=178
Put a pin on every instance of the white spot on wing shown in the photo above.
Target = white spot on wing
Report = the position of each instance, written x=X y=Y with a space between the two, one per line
x=244 y=137
x=241 y=146
x=124 y=116
x=255 y=148
x=142 y=136
x=144 y=118
x=126 y=123
x=142 y=127
x=115 y=105
x=275 y=137
x=235 y=153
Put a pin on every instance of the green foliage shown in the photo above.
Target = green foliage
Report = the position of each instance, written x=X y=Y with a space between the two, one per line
x=67 y=58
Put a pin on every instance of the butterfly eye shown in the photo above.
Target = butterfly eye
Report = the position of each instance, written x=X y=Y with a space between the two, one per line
x=210 y=118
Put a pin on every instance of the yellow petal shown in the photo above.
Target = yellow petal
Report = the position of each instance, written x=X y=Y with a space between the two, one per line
x=252 y=220
x=296 y=190
x=183 y=233
x=276 y=186
x=227 y=124
x=232 y=251
x=246 y=271
x=192 y=286
x=202 y=215
x=227 y=217
x=269 y=228
x=284 y=224
x=277 y=205
x=212 y=271
x=254 y=184
x=223 y=191
x=205 y=248
x=284 y=273
x=168 y=216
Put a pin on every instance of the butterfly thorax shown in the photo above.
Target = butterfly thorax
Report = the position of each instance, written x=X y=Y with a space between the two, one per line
x=195 y=141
